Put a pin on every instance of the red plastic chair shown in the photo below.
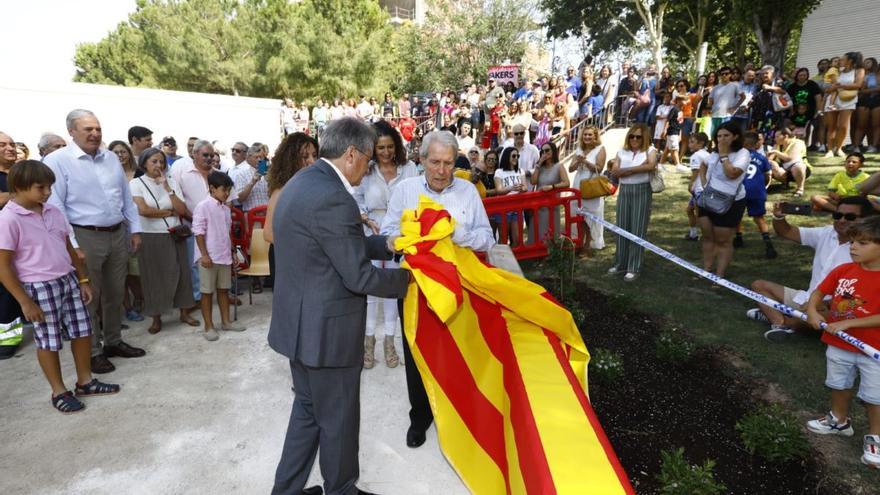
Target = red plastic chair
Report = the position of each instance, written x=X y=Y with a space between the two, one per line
x=256 y=216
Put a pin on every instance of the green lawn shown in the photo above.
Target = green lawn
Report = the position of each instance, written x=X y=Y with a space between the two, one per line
x=717 y=316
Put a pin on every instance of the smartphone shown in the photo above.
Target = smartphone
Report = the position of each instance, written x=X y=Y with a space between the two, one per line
x=262 y=166
x=797 y=208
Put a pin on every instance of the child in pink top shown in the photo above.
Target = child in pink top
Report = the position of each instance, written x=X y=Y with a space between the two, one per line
x=212 y=221
x=37 y=264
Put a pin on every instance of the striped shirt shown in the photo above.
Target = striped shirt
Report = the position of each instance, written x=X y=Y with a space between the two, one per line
x=460 y=199
x=259 y=195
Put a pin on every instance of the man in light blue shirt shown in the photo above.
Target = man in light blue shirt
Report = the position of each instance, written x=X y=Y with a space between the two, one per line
x=92 y=191
x=461 y=199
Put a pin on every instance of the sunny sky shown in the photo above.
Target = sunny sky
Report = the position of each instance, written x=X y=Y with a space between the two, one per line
x=41 y=35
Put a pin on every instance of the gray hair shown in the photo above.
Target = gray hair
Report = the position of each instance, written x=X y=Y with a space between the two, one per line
x=77 y=114
x=254 y=149
x=45 y=139
x=342 y=133
x=768 y=68
x=201 y=143
x=242 y=144
x=445 y=138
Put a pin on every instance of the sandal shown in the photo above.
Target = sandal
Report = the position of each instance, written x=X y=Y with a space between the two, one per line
x=189 y=320
x=66 y=403
x=798 y=193
x=155 y=328
x=95 y=387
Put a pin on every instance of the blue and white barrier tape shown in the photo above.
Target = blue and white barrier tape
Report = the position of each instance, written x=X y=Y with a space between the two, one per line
x=778 y=306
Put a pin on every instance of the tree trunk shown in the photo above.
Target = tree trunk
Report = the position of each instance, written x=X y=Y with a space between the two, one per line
x=772 y=40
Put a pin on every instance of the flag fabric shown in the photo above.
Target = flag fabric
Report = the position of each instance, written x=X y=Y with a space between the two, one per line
x=504 y=367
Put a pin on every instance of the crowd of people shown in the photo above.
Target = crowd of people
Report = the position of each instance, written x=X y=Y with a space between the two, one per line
x=155 y=235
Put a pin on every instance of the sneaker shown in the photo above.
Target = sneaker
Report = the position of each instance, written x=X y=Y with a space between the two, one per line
x=830 y=154
x=229 y=327
x=211 y=335
x=738 y=242
x=757 y=315
x=132 y=315
x=689 y=237
x=770 y=252
x=630 y=276
x=871 y=451
x=684 y=169
x=855 y=149
x=613 y=271
x=778 y=333
x=871 y=149
x=821 y=148
x=840 y=153
x=829 y=425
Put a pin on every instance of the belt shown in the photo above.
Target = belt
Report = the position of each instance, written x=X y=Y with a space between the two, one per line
x=95 y=228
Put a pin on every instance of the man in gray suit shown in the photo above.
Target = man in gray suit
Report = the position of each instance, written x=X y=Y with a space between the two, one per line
x=319 y=308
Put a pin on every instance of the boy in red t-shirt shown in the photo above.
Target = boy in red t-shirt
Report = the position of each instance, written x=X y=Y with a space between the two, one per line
x=855 y=308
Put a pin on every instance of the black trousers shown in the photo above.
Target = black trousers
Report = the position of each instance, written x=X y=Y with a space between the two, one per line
x=420 y=415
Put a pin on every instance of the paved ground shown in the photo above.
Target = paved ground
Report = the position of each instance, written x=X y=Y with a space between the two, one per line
x=194 y=417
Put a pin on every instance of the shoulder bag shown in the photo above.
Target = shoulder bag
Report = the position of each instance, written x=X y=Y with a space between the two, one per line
x=181 y=232
x=713 y=200
x=658 y=185
x=847 y=94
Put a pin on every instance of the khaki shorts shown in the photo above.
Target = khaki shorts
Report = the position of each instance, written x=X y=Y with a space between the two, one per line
x=788 y=299
x=216 y=277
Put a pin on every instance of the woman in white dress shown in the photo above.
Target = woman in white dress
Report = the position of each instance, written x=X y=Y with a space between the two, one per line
x=588 y=162
x=838 y=108
x=390 y=168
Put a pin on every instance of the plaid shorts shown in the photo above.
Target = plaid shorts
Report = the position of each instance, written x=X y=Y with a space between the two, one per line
x=65 y=314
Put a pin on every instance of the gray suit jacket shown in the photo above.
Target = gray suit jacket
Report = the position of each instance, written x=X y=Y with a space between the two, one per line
x=323 y=272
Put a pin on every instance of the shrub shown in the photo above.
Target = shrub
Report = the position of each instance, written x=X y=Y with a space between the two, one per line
x=561 y=262
x=773 y=433
x=678 y=477
x=673 y=346
x=606 y=366
x=579 y=316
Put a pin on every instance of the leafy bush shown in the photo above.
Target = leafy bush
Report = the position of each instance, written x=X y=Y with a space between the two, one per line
x=606 y=366
x=673 y=346
x=560 y=261
x=579 y=316
x=678 y=477
x=774 y=434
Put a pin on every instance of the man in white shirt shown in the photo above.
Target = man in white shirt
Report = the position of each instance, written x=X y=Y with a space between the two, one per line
x=725 y=98
x=465 y=140
x=364 y=109
x=832 y=250
x=250 y=186
x=461 y=199
x=92 y=191
x=50 y=142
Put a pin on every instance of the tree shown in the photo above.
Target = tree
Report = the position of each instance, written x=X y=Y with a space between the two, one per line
x=773 y=22
x=607 y=23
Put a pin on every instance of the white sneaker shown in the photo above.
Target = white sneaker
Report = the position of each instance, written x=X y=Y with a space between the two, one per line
x=778 y=333
x=830 y=154
x=630 y=276
x=613 y=270
x=871 y=451
x=830 y=425
x=757 y=315
x=683 y=168
x=841 y=153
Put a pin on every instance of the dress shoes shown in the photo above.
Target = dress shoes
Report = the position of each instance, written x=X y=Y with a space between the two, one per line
x=313 y=490
x=415 y=437
x=100 y=364
x=123 y=350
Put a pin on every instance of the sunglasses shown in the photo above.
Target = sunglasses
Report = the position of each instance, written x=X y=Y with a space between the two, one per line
x=636 y=136
x=519 y=133
x=850 y=217
x=207 y=155
x=236 y=150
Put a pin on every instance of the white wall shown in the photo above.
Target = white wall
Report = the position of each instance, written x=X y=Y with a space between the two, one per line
x=837 y=27
x=28 y=112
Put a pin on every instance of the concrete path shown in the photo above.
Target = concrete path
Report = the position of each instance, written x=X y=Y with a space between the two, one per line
x=194 y=417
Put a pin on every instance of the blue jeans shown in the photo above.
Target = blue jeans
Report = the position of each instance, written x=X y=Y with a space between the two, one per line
x=193 y=267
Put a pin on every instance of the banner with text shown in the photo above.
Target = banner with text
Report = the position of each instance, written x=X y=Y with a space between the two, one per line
x=504 y=73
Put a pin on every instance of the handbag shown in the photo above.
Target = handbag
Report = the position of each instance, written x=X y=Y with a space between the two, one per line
x=847 y=94
x=658 y=185
x=713 y=200
x=781 y=102
x=180 y=232
x=596 y=187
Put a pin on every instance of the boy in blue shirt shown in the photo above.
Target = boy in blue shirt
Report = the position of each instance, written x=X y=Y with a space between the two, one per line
x=755 y=184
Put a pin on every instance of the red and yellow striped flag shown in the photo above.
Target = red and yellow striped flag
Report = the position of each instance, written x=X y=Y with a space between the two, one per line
x=505 y=371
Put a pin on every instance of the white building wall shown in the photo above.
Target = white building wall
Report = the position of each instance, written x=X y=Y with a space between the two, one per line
x=837 y=27
x=28 y=112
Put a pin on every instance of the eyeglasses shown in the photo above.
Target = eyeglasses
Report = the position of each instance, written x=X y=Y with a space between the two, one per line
x=635 y=136
x=207 y=155
x=236 y=150
x=519 y=133
x=850 y=217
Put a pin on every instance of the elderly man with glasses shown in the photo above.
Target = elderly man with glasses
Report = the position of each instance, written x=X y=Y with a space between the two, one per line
x=472 y=230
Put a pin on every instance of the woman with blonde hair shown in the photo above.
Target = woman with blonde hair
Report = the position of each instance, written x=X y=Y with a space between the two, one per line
x=588 y=163
x=632 y=167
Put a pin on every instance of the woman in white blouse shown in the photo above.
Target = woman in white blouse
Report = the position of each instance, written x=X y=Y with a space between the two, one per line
x=166 y=268
x=389 y=168
x=632 y=167
x=724 y=172
x=588 y=162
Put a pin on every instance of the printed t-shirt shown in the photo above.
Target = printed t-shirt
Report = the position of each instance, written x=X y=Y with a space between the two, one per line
x=754 y=181
x=855 y=293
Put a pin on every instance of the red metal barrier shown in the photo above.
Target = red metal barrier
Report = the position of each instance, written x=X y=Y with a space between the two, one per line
x=522 y=209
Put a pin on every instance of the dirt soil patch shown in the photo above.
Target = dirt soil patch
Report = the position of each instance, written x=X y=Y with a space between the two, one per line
x=657 y=406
